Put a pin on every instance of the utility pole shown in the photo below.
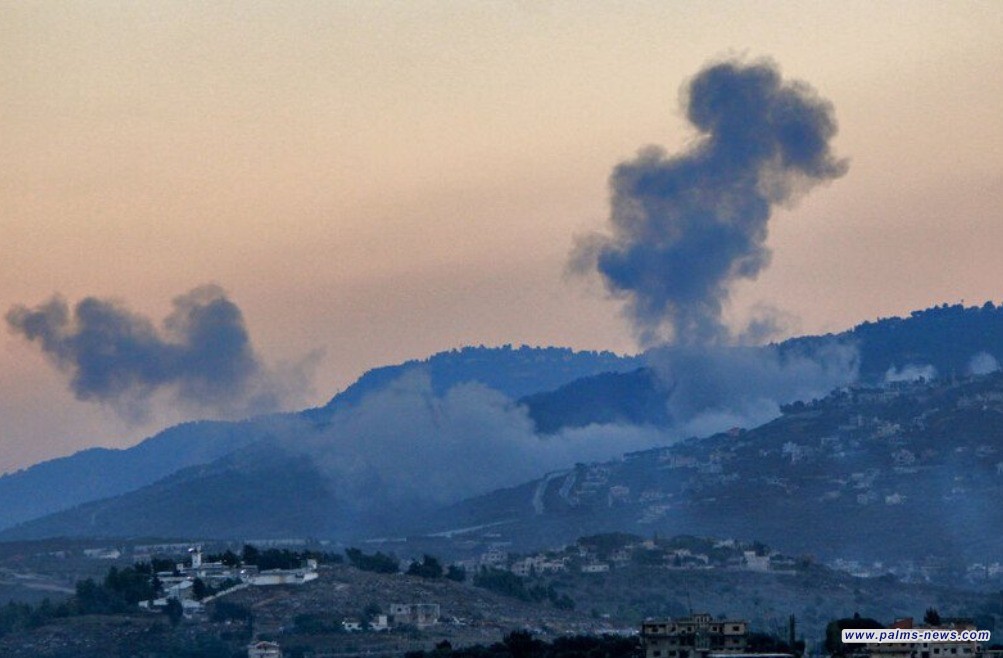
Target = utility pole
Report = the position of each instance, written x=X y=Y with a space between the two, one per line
x=791 y=626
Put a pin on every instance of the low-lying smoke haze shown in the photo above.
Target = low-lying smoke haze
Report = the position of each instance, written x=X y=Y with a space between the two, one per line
x=201 y=355
x=983 y=363
x=405 y=445
x=910 y=372
x=685 y=227
x=714 y=388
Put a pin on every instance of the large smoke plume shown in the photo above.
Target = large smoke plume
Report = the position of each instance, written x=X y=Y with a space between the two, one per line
x=404 y=444
x=685 y=227
x=202 y=353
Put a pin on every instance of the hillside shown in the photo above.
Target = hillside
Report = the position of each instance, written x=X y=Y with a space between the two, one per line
x=909 y=472
x=944 y=340
x=946 y=337
x=880 y=462
x=883 y=466
x=308 y=617
x=514 y=372
x=225 y=498
x=99 y=473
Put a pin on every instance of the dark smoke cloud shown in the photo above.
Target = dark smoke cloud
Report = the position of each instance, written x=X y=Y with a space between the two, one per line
x=202 y=353
x=685 y=227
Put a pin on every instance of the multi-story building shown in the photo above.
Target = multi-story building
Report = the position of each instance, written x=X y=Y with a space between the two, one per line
x=920 y=649
x=264 y=650
x=693 y=637
x=416 y=614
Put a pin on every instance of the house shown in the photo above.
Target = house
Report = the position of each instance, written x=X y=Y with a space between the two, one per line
x=264 y=650
x=283 y=577
x=524 y=567
x=102 y=553
x=595 y=567
x=416 y=614
x=755 y=562
x=494 y=557
x=698 y=636
x=927 y=649
x=379 y=623
x=537 y=564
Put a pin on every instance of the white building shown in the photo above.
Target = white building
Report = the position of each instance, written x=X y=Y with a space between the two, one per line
x=755 y=562
x=926 y=649
x=595 y=567
x=380 y=623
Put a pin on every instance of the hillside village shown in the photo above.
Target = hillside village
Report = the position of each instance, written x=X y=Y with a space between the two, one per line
x=318 y=600
x=601 y=553
x=716 y=524
x=912 y=450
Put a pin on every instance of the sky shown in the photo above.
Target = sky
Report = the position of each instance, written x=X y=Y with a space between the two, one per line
x=371 y=182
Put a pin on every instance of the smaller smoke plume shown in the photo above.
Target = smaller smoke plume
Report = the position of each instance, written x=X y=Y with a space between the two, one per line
x=767 y=323
x=910 y=373
x=685 y=227
x=202 y=353
x=713 y=388
x=983 y=363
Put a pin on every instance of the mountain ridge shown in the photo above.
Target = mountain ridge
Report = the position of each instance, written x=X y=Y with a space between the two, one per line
x=987 y=322
x=97 y=473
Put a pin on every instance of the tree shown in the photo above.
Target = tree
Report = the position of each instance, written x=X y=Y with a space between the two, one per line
x=501 y=582
x=223 y=610
x=131 y=584
x=199 y=589
x=521 y=644
x=94 y=599
x=932 y=617
x=377 y=562
x=250 y=554
x=834 y=632
x=456 y=572
x=174 y=611
x=429 y=567
x=371 y=611
x=159 y=565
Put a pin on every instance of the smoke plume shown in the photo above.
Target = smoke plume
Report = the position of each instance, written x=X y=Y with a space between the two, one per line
x=685 y=227
x=911 y=372
x=202 y=353
x=983 y=363
x=714 y=388
x=406 y=445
